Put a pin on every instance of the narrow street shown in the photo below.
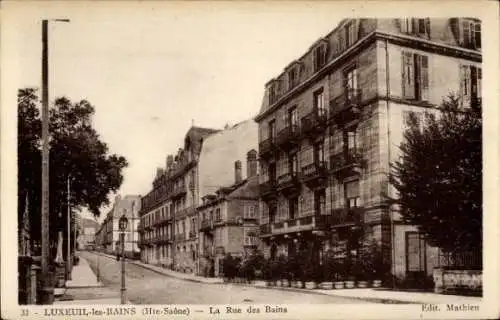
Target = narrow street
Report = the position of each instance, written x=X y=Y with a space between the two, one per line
x=148 y=287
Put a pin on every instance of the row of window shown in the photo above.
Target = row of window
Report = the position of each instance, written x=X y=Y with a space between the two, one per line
x=351 y=193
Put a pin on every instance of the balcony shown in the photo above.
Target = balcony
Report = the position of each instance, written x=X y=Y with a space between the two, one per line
x=265 y=230
x=164 y=221
x=314 y=223
x=180 y=237
x=346 y=163
x=178 y=191
x=346 y=107
x=289 y=137
x=315 y=175
x=206 y=225
x=192 y=234
x=313 y=124
x=267 y=148
x=164 y=239
x=251 y=242
x=346 y=216
x=267 y=190
x=288 y=183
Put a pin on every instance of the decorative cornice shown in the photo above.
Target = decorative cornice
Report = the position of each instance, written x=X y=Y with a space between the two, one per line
x=402 y=40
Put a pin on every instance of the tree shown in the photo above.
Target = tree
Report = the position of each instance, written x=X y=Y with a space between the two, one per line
x=439 y=177
x=76 y=151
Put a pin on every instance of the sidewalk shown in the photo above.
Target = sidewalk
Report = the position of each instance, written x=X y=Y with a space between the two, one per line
x=380 y=295
x=83 y=288
x=170 y=273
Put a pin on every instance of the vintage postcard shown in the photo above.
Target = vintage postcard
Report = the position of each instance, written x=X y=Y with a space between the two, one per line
x=241 y=160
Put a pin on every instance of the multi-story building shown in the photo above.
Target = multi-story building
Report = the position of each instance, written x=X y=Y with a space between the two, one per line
x=229 y=219
x=332 y=122
x=168 y=215
x=169 y=221
x=108 y=236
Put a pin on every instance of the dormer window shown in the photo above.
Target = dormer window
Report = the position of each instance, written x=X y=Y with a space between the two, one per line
x=320 y=56
x=350 y=34
x=272 y=93
x=471 y=34
x=293 y=78
x=416 y=26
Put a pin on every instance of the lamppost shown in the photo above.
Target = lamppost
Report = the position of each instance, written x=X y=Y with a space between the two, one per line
x=46 y=291
x=122 y=224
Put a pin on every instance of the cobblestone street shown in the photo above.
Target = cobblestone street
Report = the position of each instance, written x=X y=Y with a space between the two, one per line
x=148 y=287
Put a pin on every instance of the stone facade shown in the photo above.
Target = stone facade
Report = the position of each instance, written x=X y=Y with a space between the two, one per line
x=108 y=235
x=332 y=122
x=229 y=219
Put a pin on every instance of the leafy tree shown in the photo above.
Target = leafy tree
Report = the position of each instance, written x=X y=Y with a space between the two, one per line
x=439 y=177
x=76 y=151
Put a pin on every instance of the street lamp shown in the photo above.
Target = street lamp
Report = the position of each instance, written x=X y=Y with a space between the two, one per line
x=122 y=225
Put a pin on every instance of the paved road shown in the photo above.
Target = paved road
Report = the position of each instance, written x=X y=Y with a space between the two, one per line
x=147 y=287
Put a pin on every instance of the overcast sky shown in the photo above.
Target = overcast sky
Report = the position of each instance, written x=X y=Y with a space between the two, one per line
x=151 y=71
x=151 y=68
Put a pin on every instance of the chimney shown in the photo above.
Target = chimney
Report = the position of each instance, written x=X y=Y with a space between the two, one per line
x=251 y=163
x=237 y=171
x=170 y=161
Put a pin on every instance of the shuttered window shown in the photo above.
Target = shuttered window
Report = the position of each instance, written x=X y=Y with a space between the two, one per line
x=351 y=190
x=471 y=34
x=470 y=84
x=415 y=76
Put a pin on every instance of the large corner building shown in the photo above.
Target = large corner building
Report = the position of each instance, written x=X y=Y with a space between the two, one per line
x=332 y=122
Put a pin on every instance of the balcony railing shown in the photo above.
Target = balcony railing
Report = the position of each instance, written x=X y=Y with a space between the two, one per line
x=180 y=237
x=315 y=174
x=251 y=241
x=265 y=230
x=299 y=224
x=288 y=137
x=267 y=189
x=345 y=107
x=267 y=147
x=347 y=216
x=347 y=162
x=314 y=123
x=206 y=225
x=289 y=182
x=179 y=190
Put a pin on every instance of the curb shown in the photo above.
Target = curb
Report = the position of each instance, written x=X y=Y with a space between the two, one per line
x=377 y=300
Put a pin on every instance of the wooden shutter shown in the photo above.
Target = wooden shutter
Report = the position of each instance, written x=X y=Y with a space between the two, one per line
x=465 y=85
x=466 y=32
x=424 y=77
x=408 y=75
x=477 y=35
x=479 y=82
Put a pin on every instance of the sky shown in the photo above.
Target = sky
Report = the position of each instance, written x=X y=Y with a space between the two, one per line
x=152 y=71
x=151 y=68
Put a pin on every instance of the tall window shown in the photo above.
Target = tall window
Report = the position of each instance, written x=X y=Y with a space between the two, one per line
x=350 y=139
x=351 y=83
x=272 y=94
x=272 y=213
x=272 y=171
x=293 y=164
x=293 y=207
x=292 y=78
x=415 y=75
x=351 y=192
x=471 y=34
x=218 y=216
x=319 y=102
x=319 y=57
x=320 y=202
x=292 y=117
x=470 y=84
x=319 y=152
x=350 y=34
x=272 y=129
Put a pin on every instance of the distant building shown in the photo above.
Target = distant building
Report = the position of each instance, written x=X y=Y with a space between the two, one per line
x=169 y=220
x=87 y=233
x=229 y=219
x=108 y=236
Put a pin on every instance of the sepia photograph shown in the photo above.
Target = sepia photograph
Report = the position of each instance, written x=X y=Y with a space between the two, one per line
x=244 y=158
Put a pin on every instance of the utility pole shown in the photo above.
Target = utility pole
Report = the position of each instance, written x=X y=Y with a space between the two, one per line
x=68 y=241
x=46 y=291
